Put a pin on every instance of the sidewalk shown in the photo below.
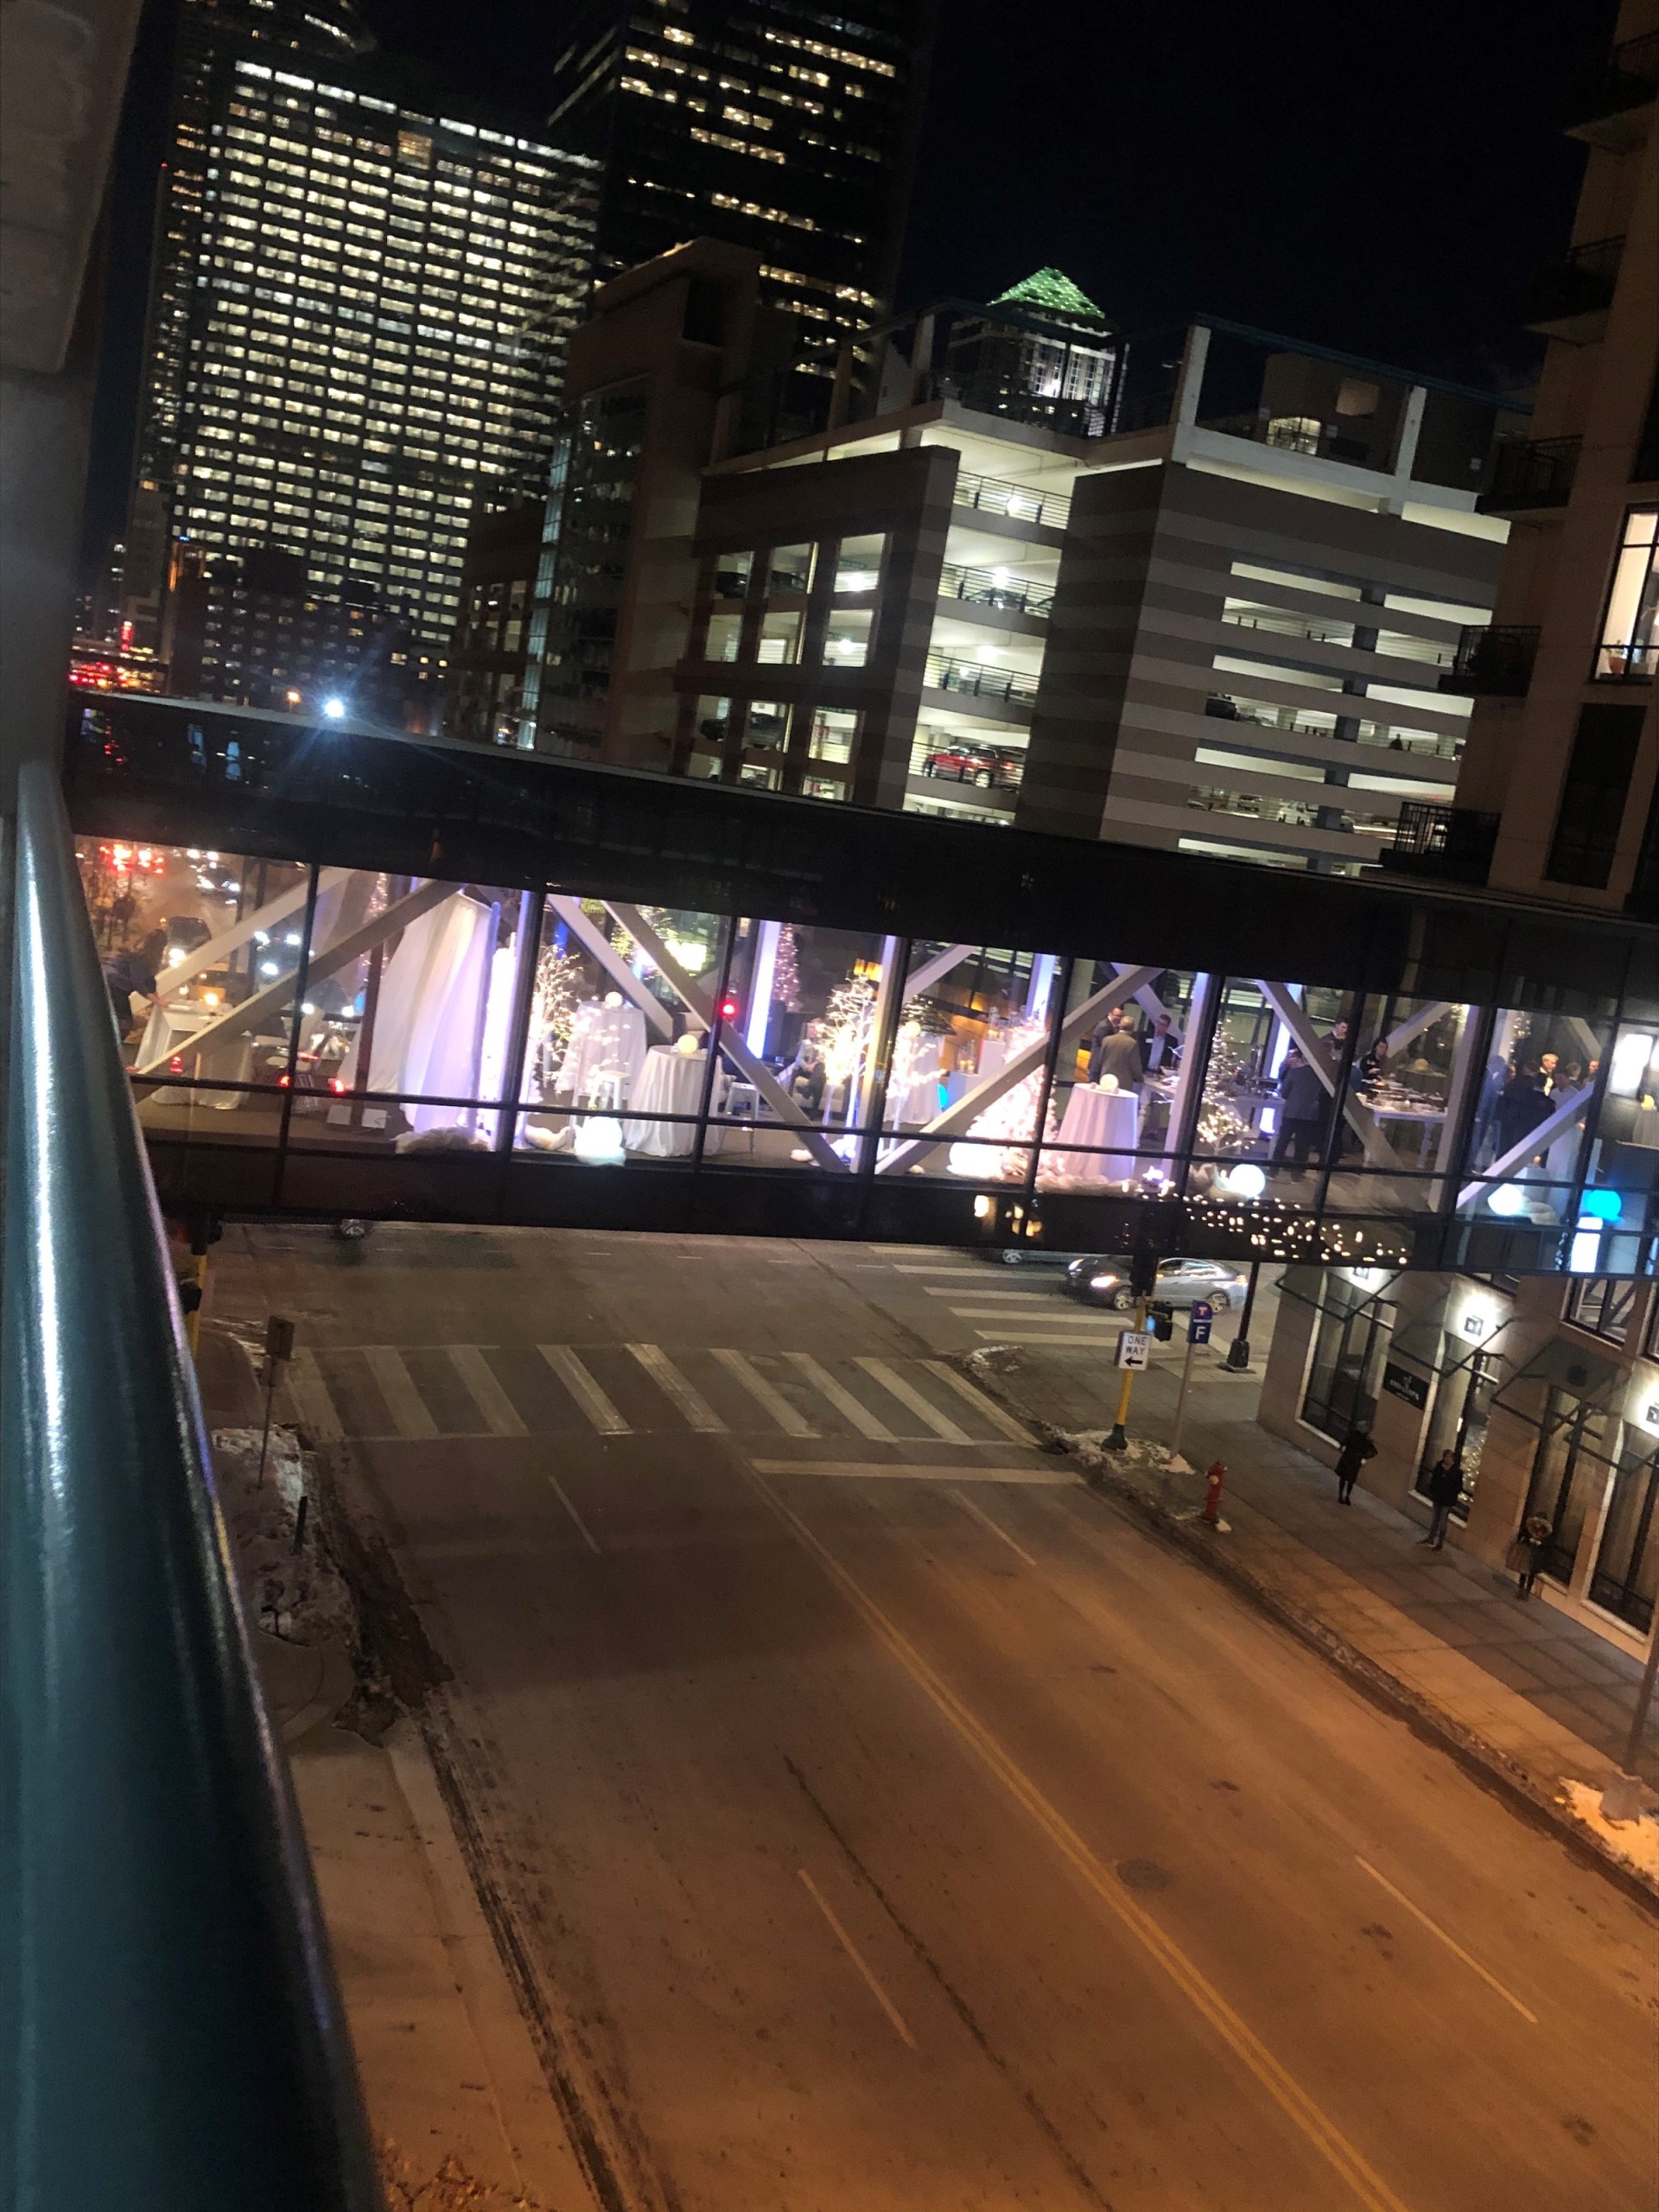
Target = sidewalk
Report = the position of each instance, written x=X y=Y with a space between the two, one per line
x=1521 y=1688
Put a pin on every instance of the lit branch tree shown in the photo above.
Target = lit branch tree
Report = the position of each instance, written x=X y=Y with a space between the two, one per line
x=786 y=972
x=1011 y=1120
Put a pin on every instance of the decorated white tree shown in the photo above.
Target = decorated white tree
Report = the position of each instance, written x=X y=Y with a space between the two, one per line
x=786 y=972
x=1010 y=1121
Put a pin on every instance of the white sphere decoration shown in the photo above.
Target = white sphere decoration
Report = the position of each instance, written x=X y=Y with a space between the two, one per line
x=1246 y=1180
x=971 y=1160
x=1509 y=1198
x=598 y=1141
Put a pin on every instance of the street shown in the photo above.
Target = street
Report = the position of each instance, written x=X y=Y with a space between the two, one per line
x=884 y=1821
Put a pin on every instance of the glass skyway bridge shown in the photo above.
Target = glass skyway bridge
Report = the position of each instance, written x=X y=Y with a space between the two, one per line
x=399 y=976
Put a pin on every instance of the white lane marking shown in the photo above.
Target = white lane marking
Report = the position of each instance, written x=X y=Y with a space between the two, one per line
x=855 y=1955
x=866 y=1422
x=981 y=1405
x=907 y=1394
x=764 y=1393
x=1009 y=1297
x=1030 y=1336
x=1368 y=2186
x=663 y=1371
x=310 y=1396
x=894 y=1471
x=586 y=1534
x=583 y=1388
x=1456 y=1948
x=403 y=1402
x=980 y=1513
x=919 y=1267
x=500 y=1414
x=1045 y=1321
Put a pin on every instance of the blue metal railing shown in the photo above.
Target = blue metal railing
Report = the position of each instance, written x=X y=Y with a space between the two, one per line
x=169 y=2031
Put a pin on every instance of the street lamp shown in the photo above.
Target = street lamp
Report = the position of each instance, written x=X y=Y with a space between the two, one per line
x=1238 y=1352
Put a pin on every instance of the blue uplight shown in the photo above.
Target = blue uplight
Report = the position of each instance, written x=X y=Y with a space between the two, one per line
x=1604 y=1205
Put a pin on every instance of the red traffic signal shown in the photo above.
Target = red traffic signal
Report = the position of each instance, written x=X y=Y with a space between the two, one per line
x=729 y=1008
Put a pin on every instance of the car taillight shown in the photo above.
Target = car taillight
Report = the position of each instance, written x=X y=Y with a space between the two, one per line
x=281 y=1082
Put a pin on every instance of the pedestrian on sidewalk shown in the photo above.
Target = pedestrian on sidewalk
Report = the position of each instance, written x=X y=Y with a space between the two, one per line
x=1355 y=1452
x=1442 y=1482
x=1526 y=1557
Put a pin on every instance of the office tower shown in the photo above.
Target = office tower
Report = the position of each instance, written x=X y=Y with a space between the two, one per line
x=358 y=314
x=760 y=123
x=1057 y=369
x=1559 y=790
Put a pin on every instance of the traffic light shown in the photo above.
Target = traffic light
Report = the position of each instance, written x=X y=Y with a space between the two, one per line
x=1161 y=1319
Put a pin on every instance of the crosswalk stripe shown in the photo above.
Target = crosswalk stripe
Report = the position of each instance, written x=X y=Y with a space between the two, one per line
x=933 y=1268
x=1000 y=1297
x=1047 y=1320
x=867 y=1423
x=403 y=1402
x=890 y=1379
x=583 y=1388
x=981 y=1405
x=310 y=1396
x=736 y=1363
x=1033 y=1336
x=887 y=1469
x=662 y=1371
x=500 y=1414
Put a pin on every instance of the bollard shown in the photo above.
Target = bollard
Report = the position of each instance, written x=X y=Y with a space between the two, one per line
x=1213 y=1483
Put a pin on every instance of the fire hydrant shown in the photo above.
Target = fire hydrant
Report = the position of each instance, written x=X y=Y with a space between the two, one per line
x=1213 y=1483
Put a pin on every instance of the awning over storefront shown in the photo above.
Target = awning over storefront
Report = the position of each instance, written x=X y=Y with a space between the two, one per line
x=1561 y=1364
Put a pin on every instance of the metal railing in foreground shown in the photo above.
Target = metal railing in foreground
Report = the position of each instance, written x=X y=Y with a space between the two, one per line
x=169 y=2031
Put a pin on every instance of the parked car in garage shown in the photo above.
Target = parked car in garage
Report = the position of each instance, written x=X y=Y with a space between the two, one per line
x=1105 y=1281
x=988 y=765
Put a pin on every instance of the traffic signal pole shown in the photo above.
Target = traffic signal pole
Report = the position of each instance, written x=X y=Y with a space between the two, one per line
x=1117 y=1435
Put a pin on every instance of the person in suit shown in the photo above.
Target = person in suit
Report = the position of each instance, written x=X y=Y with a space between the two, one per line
x=1160 y=1051
x=1301 y=1128
x=1117 y=1053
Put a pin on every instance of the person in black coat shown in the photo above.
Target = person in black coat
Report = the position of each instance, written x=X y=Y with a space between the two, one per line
x=1355 y=1452
x=1521 y=1105
x=1301 y=1130
x=1443 y=1482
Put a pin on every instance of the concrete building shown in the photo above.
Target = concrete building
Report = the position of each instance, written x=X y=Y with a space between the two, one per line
x=358 y=313
x=1549 y=1395
x=1157 y=634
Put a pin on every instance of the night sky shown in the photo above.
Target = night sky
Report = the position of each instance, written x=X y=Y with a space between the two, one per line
x=1380 y=177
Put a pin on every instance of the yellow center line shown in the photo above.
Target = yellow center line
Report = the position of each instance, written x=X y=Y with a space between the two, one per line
x=1367 y=2187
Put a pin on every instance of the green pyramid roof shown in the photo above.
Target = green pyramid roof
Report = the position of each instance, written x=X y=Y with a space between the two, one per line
x=1049 y=291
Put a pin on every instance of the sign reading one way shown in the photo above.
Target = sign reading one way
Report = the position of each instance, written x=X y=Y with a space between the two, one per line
x=1134 y=1347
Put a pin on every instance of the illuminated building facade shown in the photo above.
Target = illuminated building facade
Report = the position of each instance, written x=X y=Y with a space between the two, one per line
x=358 y=320
x=761 y=123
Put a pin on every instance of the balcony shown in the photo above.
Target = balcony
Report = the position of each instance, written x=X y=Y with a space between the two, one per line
x=1606 y=102
x=980 y=680
x=1495 y=663
x=1453 y=843
x=1529 y=473
x=993 y=495
x=995 y=587
x=1569 y=298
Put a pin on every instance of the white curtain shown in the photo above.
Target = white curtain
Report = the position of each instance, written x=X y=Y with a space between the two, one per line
x=429 y=1024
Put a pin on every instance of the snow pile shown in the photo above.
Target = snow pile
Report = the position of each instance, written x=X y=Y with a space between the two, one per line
x=296 y=1594
x=1636 y=1842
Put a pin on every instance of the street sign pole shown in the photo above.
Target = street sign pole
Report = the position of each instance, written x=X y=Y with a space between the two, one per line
x=1198 y=1333
x=1117 y=1436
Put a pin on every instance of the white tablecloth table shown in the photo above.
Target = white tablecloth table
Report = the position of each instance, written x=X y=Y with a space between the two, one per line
x=1093 y=1116
x=671 y=1082
x=602 y=1038
x=1424 y=1119
x=168 y=1034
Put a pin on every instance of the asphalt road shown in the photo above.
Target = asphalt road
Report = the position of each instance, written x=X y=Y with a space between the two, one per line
x=886 y=1823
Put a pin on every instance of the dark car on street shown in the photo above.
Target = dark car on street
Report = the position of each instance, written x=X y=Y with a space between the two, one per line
x=1105 y=1281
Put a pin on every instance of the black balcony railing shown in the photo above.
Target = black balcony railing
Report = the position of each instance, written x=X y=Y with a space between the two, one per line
x=1613 y=84
x=1453 y=842
x=981 y=680
x=1578 y=285
x=1531 y=473
x=169 y=2032
x=1494 y=662
x=995 y=587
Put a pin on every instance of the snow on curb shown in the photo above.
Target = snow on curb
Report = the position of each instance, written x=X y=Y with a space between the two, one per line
x=1636 y=1842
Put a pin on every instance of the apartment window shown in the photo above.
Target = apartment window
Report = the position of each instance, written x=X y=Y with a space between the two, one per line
x=1602 y=1304
x=1628 y=634
x=1593 y=794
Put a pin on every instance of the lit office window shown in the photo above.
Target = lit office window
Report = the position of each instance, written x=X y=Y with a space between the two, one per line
x=1628 y=635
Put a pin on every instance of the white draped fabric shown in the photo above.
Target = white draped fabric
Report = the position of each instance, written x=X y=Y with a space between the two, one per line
x=428 y=1023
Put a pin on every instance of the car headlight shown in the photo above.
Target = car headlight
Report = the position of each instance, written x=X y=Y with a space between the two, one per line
x=1102 y=1282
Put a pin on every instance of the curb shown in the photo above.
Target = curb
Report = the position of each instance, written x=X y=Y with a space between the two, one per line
x=1481 y=1761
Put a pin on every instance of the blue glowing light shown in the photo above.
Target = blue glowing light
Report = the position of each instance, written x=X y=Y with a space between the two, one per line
x=1604 y=1205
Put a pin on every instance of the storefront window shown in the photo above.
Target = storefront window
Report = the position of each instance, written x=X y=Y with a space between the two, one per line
x=1355 y=1328
x=1602 y=1304
x=1626 y=1575
x=1569 y=1478
x=1463 y=1406
x=1628 y=634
